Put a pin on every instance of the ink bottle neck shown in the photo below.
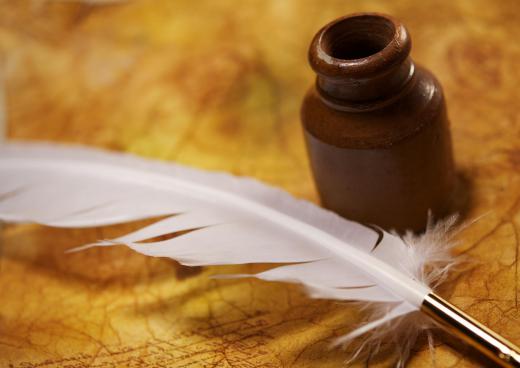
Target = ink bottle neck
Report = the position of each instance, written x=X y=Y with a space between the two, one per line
x=362 y=62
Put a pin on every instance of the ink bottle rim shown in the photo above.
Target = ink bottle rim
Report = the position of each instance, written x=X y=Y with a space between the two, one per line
x=362 y=62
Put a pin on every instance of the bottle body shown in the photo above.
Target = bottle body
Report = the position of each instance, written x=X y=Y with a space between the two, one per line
x=383 y=160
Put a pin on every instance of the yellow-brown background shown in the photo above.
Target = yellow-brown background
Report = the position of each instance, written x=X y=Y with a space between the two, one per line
x=217 y=85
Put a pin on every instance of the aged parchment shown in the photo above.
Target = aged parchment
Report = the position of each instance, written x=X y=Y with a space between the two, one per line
x=217 y=85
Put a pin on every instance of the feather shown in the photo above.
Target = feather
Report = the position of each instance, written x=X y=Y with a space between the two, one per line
x=228 y=220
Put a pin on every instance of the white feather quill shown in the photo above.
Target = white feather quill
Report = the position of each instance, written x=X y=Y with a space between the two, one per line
x=232 y=221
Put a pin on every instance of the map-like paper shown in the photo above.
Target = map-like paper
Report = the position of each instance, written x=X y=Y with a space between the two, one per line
x=217 y=85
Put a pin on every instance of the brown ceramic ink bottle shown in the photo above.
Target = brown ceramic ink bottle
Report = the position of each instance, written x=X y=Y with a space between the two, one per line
x=376 y=127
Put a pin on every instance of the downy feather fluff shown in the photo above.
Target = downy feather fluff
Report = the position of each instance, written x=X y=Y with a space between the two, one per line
x=232 y=221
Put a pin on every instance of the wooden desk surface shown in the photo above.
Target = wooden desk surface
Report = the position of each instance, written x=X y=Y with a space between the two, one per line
x=217 y=85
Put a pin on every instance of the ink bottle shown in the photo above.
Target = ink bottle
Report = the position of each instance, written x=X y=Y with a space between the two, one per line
x=376 y=126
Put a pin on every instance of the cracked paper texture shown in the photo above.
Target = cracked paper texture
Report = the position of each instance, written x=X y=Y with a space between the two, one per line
x=217 y=85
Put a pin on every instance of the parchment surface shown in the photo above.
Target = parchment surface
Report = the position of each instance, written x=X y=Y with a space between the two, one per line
x=217 y=85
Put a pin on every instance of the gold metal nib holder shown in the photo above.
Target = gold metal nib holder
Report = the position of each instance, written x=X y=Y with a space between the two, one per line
x=494 y=346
